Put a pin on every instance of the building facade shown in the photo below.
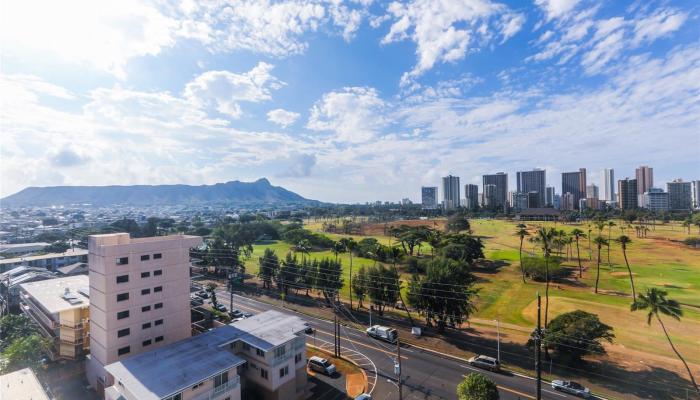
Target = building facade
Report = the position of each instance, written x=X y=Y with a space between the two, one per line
x=627 y=194
x=429 y=197
x=450 y=192
x=60 y=307
x=680 y=195
x=655 y=200
x=139 y=297
x=532 y=181
x=471 y=196
x=50 y=262
x=567 y=202
x=645 y=180
x=696 y=194
x=500 y=190
x=574 y=183
x=549 y=197
x=607 y=185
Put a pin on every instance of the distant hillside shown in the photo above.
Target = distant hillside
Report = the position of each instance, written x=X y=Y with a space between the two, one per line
x=235 y=192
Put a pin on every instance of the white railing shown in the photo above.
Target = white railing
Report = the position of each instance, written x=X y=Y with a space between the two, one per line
x=221 y=391
x=279 y=360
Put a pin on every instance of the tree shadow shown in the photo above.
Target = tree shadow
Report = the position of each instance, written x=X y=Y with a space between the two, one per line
x=489 y=266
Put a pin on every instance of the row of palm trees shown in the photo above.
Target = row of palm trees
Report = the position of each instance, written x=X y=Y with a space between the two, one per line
x=654 y=300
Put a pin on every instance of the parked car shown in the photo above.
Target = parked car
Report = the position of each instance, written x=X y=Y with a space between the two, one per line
x=363 y=396
x=236 y=314
x=571 y=387
x=309 y=329
x=382 y=332
x=321 y=365
x=203 y=294
x=220 y=307
x=247 y=315
x=196 y=301
x=485 y=362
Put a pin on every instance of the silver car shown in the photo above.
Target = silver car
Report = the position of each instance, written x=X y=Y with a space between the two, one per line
x=571 y=388
x=485 y=362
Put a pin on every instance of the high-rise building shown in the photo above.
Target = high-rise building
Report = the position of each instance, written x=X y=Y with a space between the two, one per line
x=533 y=200
x=607 y=185
x=549 y=197
x=592 y=191
x=567 y=201
x=500 y=182
x=645 y=180
x=450 y=192
x=518 y=201
x=696 y=194
x=627 y=194
x=429 y=197
x=655 y=200
x=471 y=196
x=533 y=181
x=679 y=195
x=489 y=197
x=139 y=297
x=574 y=183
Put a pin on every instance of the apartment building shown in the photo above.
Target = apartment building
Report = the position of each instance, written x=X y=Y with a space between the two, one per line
x=139 y=297
x=60 y=307
x=51 y=261
x=265 y=352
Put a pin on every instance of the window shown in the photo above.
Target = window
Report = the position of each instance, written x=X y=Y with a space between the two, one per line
x=158 y=322
x=124 y=350
x=263 y=373
x=146 y=325
x=123 y=332
x=145 y=292
x=122 y=260
x=159 y=339
x=122 y=278
x=297 y=358
x=145 y=274
x=260 y=352
x=284 y=371
x=158 y=272
x=197 y=386
x=157 y=289
x=145 y=257
x=280 y=351
x=221 y=379
x=145 y=308
x=123 y=296
x=146 y=343
x=245 y=346
x=174 y=397
x=158 y=305
x=123 y=314
x=157 y=256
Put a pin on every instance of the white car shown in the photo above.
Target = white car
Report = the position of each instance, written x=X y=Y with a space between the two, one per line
x=485 y=362
x=571 y=388
x=363 y=396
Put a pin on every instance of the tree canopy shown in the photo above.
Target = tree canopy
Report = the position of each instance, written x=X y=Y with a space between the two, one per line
x=476 y=386
x=576 y=334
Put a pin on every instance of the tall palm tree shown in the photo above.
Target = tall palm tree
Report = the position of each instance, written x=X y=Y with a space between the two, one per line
x=624 y=241
x=656 y=302
x=545 y=237
x=600 y=242
x=610 y=225
x=578 y=234
x=590 y=253
x=350 y=244
x=521 y=233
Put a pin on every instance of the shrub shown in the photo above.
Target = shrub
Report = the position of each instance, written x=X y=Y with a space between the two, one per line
x=535 y=268
x=692 y=241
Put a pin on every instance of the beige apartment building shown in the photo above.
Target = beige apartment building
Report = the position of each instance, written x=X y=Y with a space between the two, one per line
x=139 y=297
x=60 y=307
x=266 y=352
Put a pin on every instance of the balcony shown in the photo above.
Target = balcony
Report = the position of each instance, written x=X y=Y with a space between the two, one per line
x=283 y=358
x=220 y=392
x=299 y=343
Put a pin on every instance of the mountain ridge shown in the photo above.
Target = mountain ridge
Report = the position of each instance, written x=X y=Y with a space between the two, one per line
x=260 y=191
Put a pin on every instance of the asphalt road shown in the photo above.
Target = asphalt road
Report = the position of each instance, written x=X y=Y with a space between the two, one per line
x=426 y=374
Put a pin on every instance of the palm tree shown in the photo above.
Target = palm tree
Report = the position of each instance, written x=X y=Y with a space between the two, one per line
x=350 y=244
x=434 y=239
x=303 y=247
x=337 y=248
x=600 y=242
x=545 y=237
x=590 y=253
x=610 y=225
x=521 y=233
x=577 y=234
x=624 y=241
x=656 y=302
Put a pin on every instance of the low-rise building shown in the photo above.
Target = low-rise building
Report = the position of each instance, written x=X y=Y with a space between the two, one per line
x=655 y=200
x=10 y=281
x=21 y=248
x=21 y=385
x=50 y=261
x=266 y=351
x=60 y=307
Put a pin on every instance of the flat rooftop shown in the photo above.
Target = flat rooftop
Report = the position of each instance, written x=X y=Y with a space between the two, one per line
x=269 y=329
x=52 y=295
x=68 y=253
x=21 y=385
x=170 y=369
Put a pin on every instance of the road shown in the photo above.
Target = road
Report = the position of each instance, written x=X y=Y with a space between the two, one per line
x=427 y=375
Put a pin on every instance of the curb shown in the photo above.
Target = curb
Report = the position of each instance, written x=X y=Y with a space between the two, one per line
x=364 y=374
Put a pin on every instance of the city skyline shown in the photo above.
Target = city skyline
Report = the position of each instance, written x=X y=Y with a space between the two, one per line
x=353 y=102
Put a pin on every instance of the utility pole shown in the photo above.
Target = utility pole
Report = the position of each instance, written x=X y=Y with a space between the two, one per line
x=398 y=364
x=538 y=347
x=498 y=333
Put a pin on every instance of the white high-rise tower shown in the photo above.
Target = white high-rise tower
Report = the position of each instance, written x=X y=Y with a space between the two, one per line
x=607 y=185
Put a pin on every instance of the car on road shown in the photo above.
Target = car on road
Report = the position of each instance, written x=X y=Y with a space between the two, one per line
x=384 y=333
x=309 y=329
x=247 y=315
x=321 y=365
x=485 y=362
x=363 y=396
x=571 y=387
x=236 y=314
x=220 y=307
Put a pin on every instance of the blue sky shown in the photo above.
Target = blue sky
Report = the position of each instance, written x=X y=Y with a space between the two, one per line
x=346 y=101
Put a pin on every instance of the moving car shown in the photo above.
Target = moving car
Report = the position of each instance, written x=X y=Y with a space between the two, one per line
x=571 y=387
x=485 y=362
x=309 y=330
x=321 y=365
x=363 y=396
x=382 y=332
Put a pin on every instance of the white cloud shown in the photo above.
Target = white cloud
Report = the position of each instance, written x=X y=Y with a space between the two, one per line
x=225 y=90
x=282 y=117
x=445 y=31
x=556 y=8
x=657 y=25
x=103 y=34
x=354 y=114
